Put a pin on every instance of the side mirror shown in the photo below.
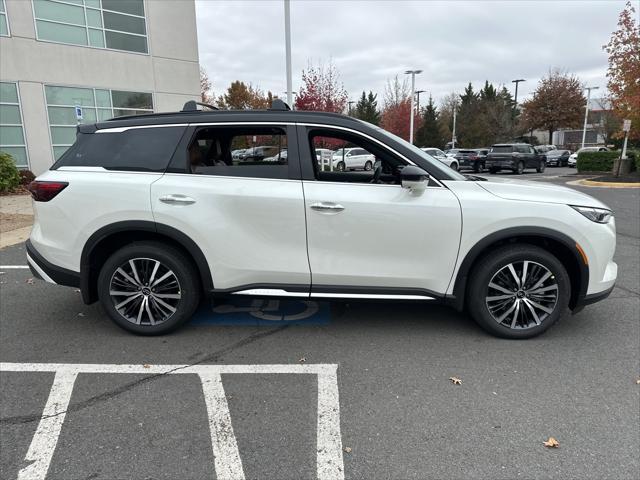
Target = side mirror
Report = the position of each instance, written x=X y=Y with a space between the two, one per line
x=414 y=178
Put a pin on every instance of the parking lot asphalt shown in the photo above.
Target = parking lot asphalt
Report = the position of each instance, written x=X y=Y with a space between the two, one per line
x=399 y=416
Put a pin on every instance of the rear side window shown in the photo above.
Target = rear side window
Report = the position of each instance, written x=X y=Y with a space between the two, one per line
x=502 y=149
x=136 y=149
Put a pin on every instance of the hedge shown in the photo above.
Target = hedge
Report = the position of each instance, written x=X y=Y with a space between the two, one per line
x=9 y=176
x=596 y=161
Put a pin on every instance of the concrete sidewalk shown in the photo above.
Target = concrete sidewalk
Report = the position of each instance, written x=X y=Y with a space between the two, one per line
x=16 y=219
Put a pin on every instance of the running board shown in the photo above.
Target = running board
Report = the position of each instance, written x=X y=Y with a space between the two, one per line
x=278 y=292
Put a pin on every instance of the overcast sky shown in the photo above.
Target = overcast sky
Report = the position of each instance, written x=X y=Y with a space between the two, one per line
x=453 y=42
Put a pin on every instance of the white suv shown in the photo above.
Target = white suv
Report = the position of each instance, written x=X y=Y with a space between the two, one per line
x=352 y=159
x=150 y=213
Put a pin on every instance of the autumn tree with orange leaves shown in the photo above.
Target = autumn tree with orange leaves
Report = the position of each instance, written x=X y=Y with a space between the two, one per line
x=624 y=70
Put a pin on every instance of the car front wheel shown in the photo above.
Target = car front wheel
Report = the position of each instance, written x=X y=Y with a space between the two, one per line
x=518 y=291
x=368 y=166
x=149 y=288
x=454 y=165
x=541 y=166
x=519 y=168
x=341 y=166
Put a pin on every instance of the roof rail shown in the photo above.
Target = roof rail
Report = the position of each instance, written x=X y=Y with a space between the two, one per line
x=192 y=106
x=278 y=104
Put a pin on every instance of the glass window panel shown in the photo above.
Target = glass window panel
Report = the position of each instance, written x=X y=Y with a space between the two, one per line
x=104 y=114
x=60 y=12
x=61 y=33
x=96 y=38
x=69 y=96
x=4 y=30
x=133 y=7
x=67 y=115
x=19 y=155
x=124 y=23
x=8 y=92
x=58 y=151
x=92 y=3
x=103 y=98
x=10 y=114
x=94 y=18
x=129 y=43
x=135 y=100
x=2 y=9
x=63 y=135
x=11 y=136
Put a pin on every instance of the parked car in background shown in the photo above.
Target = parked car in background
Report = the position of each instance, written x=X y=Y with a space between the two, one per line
x=448 y=160
x=280 y=157
x=235 y=154
x=473 y=159
x=515 y=157
x=544 y=148
x=257 y=154
x=573 y=158
x=451 y=152
x=352 y=159
x=558 y=158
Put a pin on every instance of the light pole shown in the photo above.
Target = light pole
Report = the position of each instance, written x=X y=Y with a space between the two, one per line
x=453 y=134
x=515 y=102
x=418 y=92
x=287 y=39
x=413 y=74
x=351 y=102
x=586 y=113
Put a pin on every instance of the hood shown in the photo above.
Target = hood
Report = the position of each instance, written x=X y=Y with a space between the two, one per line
x=530 y=191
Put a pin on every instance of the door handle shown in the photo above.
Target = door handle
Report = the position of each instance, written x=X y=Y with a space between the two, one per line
x=177 y=199
x=327 y=207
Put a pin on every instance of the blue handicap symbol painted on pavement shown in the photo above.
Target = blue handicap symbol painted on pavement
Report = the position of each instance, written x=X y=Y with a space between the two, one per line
x=262 y=312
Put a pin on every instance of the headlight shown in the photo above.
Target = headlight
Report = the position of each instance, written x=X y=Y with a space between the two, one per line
x=598 y=215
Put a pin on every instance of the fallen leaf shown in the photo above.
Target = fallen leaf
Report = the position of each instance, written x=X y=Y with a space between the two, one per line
x=77 y=290
x=302 y=359
x=30 y=281
x=81 y=314
x=455 y=380
x=146 y=365
x=347 y=449
x=551 y=443
x=638 y=381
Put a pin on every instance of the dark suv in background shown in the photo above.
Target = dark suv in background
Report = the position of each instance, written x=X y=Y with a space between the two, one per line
x=515 y=157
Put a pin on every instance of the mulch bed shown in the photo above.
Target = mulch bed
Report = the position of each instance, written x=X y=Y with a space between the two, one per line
x=632 y=178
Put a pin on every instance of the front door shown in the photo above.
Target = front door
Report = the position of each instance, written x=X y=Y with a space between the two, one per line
x=368 y=234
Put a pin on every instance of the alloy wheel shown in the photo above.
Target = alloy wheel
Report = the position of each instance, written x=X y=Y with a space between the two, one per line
x=144 y=291
x=522 y=295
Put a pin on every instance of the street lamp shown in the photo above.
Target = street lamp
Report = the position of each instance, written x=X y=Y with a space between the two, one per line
x=515 y=102
x=351 y=102
x=418 y=92
x=413 y=74
x=586 y=113
x=287 y=40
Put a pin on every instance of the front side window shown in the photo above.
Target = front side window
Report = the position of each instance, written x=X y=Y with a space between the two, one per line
x=111 y=24
x=239 y=151
x=11 y=129
x=69 y=106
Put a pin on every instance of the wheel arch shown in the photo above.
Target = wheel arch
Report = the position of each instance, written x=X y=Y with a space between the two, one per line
x=102 y=243
x=557 y=243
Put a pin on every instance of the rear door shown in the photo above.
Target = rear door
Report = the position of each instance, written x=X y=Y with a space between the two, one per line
x=247 y=216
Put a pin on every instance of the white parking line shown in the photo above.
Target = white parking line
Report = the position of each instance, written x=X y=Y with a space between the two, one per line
x=227 y=462
x=13 y=267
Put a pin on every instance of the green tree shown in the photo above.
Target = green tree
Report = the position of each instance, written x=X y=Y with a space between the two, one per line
x=470 y=127
x=367 y=108
x=430 y=133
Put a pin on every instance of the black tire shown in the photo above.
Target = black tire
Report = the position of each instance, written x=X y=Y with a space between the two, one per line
x=368 y=166
x=494 y=170
x=341 y=167
x=541 y=166
x=455 y=166
x=170 y=259
x=519 y=170
x=489 y=266
x=478 y=167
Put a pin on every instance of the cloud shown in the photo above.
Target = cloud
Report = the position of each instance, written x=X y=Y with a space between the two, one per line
x=453 y=42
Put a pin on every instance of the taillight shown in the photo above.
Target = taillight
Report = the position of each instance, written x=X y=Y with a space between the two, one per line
x=473 y=156
x=45 y=191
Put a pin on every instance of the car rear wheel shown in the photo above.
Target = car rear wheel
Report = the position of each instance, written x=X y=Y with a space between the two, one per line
x=455 y=166
x=494 y=170
x=368 y=166
x=518 y=291
x=149 y=288
x=541 y=166
x=478 y=167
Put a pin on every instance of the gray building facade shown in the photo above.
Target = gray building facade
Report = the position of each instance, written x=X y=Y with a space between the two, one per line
x=64 y=62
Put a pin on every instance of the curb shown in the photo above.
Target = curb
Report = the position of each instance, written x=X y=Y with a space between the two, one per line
x=592 y=183
x=14 y=237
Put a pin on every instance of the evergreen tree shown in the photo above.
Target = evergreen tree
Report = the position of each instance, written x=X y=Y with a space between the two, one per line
x=367 y=108
x=430 y=133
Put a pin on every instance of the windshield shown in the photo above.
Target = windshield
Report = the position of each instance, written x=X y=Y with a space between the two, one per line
x=436 y=164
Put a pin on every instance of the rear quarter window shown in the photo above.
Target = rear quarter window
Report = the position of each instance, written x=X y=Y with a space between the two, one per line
x=136 y=149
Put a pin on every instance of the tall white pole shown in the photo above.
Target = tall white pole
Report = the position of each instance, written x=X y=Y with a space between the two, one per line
x=586 y=114
x=413 y=94
x=453 y=134
x=287 y=38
